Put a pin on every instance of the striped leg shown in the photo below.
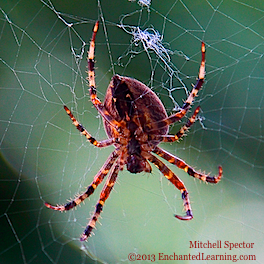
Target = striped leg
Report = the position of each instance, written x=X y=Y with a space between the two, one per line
x=182 y=165
x=92 y=88
x=176 y=117
x=177 y=136
x=99 y=206
x=177 y=183
x=99 y=144
x=97 y=180
x=91 y=75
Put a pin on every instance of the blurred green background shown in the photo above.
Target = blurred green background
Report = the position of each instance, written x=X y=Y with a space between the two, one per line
x=43 y=47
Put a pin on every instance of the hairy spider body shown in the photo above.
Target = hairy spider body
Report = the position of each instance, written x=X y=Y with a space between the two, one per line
x=138 y=110
x=135 y=121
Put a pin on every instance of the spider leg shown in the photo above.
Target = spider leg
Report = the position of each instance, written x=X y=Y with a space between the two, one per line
x=186 y=106
x=90 y=189
x=182 y=165
x=92 y=88
x=99 y=144
x=177 y=136
x=99 y=206
x=177 y=183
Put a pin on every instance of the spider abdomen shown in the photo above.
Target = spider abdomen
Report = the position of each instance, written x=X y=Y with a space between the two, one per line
x=138 y=110
x=132 y=102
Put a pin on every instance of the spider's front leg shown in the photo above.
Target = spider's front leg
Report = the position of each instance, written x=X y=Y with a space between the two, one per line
x=99 y=206
x=177 y=183
x=90 y=189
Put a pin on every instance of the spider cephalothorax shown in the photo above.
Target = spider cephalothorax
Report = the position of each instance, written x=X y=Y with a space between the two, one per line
x=135 y=121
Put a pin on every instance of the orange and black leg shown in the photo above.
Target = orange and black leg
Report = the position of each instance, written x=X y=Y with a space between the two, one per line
x=186 y=106
x=99 y=144
x=177 y=183
x=182 y=165
x=90 y=189
x=184 y=128
x=92 y=87
x=99 y=206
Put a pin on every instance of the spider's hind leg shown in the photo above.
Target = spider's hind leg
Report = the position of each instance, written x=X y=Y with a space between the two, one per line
x=92 y=87
x=91 y=74
x=183 y=129
x=187 y=104
x=99 y=144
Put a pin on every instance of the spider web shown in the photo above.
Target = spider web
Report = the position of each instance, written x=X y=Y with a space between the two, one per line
x=43 y=157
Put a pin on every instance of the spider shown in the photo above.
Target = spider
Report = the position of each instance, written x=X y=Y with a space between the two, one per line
x=135 y=121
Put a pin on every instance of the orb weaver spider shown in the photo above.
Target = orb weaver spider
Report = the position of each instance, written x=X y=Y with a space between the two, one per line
x=135 y=122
